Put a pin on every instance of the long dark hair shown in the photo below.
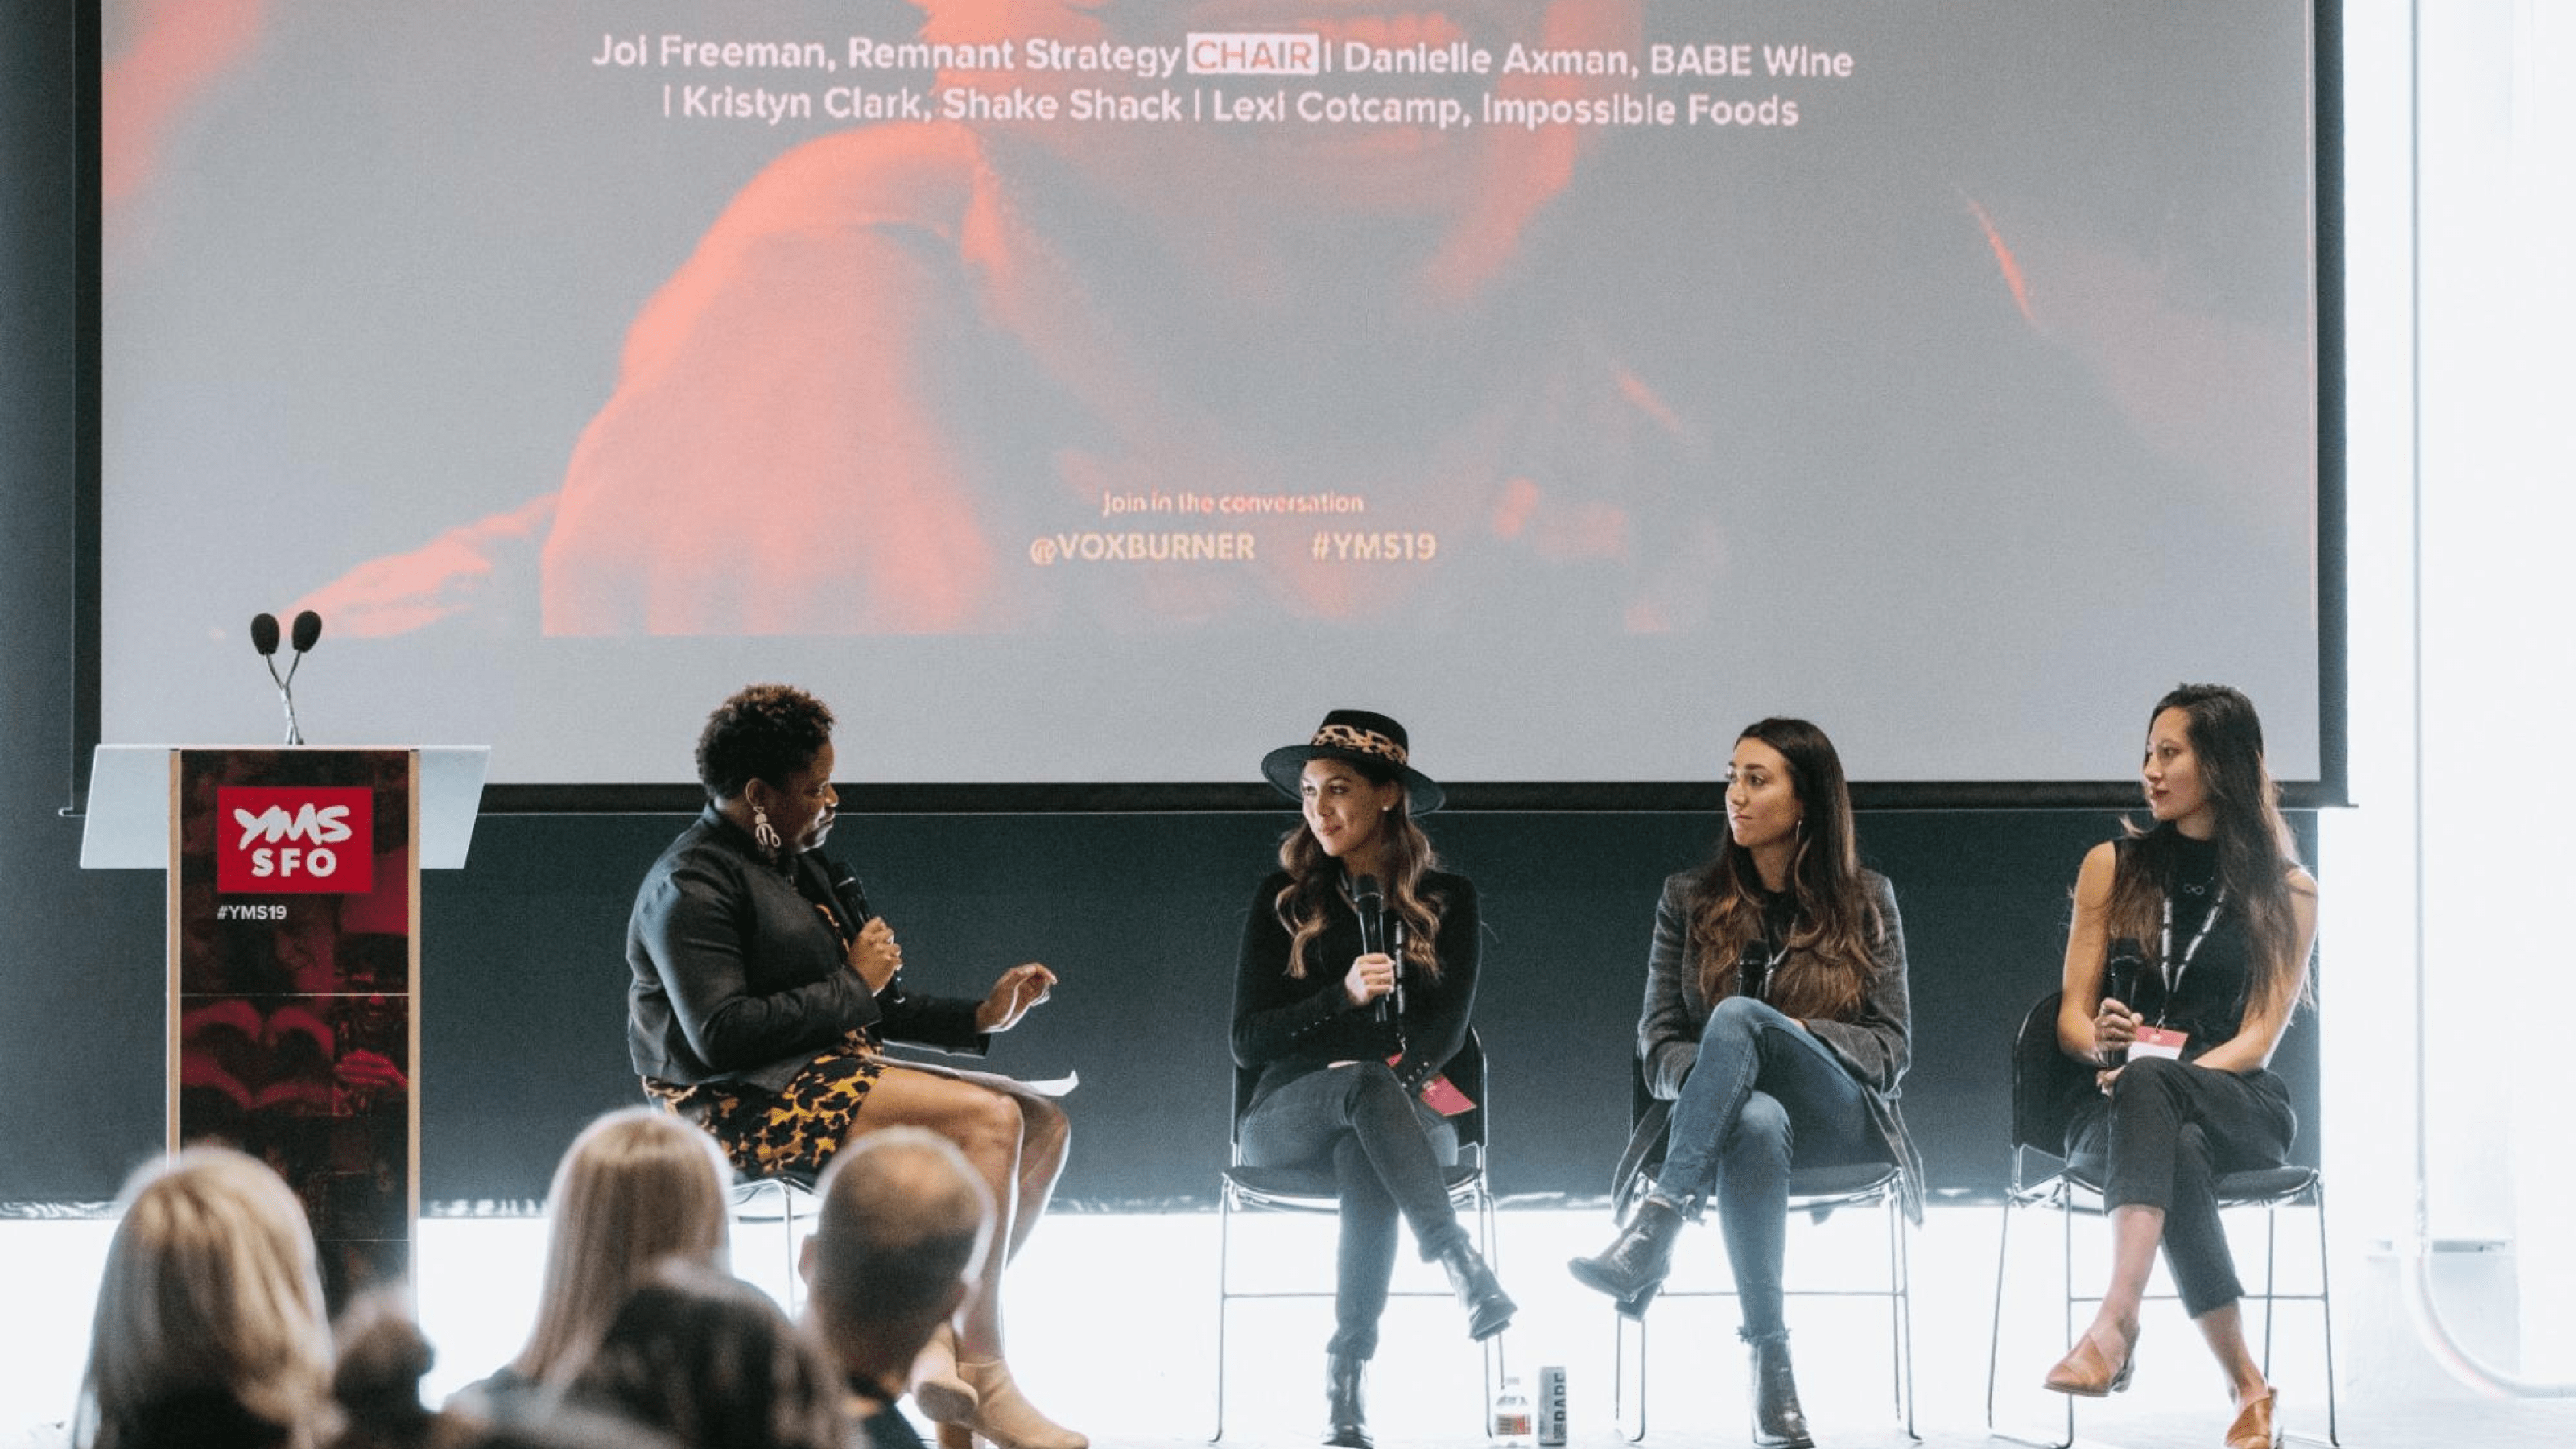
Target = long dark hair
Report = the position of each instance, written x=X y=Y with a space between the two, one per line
x=2255 y=851
x=1314 y=878
x=712 y=1360
x=1828 y=966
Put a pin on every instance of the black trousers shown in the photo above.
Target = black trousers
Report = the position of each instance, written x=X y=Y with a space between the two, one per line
x=2161 y=1140
x=1385 y=1151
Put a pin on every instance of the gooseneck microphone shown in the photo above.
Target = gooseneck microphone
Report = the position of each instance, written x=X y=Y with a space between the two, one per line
x=263 y=637
x=1370 y=904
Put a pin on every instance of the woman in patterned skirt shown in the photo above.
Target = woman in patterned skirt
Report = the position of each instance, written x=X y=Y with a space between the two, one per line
x=761 y=990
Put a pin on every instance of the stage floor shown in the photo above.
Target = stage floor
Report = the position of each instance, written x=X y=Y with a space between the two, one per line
x=1113 y=1327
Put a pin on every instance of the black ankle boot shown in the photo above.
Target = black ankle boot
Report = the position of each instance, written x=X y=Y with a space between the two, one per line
x=1778 y=1422
x=1489 y=1308
x=1632 y=1268
x=1346 y=1407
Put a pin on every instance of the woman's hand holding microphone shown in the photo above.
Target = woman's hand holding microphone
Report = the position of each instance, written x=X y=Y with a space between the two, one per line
x=1370 y=977
x=874 y=955
x=2115 y=1028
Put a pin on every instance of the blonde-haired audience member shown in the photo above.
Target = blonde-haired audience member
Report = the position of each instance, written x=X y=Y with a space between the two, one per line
x=210 y=1327
x=637 y=1186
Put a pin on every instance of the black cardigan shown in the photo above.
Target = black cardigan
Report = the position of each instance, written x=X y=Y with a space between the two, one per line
x=1286 y=1026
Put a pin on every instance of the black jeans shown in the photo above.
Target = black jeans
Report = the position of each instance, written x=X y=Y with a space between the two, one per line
x=2161 y=1139
x=1386 y=1152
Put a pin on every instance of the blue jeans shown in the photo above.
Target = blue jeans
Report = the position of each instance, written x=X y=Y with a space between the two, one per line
x=1763 y=1095
x=1385 y=1151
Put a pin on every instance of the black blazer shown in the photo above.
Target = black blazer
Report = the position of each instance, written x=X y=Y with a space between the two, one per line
x=737 y=972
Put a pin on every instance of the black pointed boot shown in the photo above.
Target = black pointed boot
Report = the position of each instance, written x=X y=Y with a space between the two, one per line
x=1778 y=1422
x=1632 y=1268
x=1346 y=1403
x=1489 y=1308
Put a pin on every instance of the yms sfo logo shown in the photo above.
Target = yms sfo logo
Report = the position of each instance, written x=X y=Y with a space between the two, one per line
x=274 y=838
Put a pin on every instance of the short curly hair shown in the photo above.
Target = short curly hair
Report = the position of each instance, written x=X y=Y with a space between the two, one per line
x=764 y=732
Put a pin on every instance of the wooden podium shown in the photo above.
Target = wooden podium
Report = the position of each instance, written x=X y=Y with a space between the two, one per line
x=294 y=961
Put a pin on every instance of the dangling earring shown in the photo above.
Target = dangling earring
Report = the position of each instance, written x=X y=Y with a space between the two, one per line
x=764 y=832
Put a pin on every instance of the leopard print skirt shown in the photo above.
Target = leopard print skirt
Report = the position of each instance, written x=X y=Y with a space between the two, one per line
x=795 y=1129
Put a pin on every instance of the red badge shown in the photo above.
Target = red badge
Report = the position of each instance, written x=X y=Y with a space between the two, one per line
x=273 y=839
x=2158 y=1041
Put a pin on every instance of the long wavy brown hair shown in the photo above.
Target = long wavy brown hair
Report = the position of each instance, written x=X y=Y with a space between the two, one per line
x=1314 y=878
x=2256 y=853
x=1828 y=968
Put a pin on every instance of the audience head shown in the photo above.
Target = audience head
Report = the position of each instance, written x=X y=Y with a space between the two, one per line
x=555 y=1426
x=712 y=1361
x=637 y=1185
x=376 y=1382
x=209 y=1313
x=898 y=1240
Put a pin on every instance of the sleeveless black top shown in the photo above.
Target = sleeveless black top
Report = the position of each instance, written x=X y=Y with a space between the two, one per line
x=2198 y=983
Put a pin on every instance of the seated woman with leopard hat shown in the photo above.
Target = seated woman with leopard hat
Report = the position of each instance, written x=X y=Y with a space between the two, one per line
x=1349 y=1020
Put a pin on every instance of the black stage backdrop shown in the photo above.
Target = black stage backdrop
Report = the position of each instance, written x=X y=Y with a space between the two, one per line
x=522 y=1006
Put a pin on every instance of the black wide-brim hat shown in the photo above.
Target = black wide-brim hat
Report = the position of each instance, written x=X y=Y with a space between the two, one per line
x=1371 y=741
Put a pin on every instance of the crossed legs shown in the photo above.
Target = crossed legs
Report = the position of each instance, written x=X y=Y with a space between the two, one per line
x=2164 y=1133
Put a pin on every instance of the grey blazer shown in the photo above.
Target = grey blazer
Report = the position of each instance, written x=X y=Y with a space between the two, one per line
x=1873 y=1046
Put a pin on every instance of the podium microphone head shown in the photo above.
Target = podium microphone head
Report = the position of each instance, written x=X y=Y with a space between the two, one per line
x=263 y=633
x=308 y=627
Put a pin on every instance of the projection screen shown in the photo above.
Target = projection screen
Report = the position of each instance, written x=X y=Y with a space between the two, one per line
x=1101 y=391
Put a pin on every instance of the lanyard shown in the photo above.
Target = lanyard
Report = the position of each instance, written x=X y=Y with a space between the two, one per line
x=1768 y=955
x=2166 y=966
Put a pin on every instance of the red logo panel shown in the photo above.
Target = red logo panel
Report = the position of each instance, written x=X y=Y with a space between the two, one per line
x=273 y=839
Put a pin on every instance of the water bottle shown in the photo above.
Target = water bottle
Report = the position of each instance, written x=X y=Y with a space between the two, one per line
x=1512 y=1412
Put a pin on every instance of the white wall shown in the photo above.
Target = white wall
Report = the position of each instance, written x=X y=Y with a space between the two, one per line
x=2459 y=373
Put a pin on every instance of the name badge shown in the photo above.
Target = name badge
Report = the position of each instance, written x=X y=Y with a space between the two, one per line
x=2158 y=1041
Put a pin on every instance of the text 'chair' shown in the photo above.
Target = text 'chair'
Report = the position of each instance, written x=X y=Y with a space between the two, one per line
x=2046 y=1084
x=1292 y=1189
x=1816 y=1191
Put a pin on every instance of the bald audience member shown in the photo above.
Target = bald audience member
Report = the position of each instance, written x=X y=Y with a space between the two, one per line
x=901 y=1234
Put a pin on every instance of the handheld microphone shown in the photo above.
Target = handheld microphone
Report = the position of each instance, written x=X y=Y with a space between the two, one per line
x=1370 y=904
x=2120 y=978
x=2122 y=975
x=846 y=890
x=853 y=901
